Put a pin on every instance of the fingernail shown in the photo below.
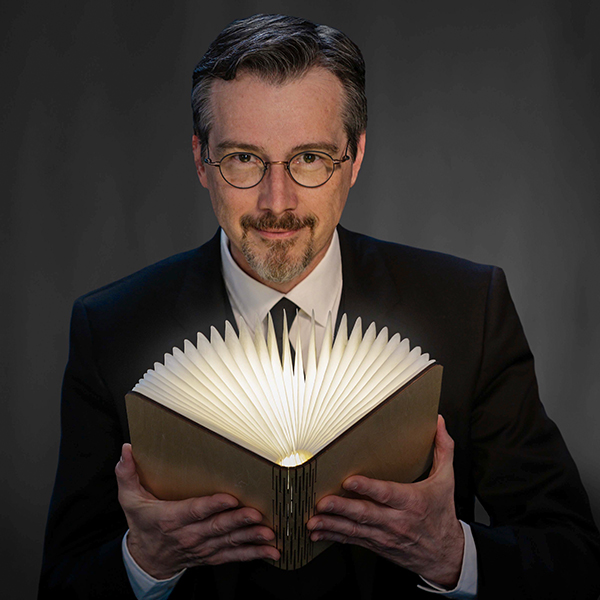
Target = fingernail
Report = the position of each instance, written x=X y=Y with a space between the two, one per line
x=351 y=486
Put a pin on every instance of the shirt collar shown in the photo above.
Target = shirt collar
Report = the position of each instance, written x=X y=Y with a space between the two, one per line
x=318 y=292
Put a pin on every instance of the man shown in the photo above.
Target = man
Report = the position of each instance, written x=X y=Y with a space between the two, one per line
x=279 y=138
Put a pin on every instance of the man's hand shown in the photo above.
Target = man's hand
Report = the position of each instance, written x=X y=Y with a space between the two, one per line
x=413 y=525
x=166 y=537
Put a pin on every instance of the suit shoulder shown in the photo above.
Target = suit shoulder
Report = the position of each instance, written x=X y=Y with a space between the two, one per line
x=407 y=259
x=156 y=278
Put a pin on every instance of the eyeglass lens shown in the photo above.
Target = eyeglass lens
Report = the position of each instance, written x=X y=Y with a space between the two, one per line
x=244 y=170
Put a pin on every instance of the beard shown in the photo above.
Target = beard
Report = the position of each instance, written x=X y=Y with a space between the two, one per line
x=278 y=265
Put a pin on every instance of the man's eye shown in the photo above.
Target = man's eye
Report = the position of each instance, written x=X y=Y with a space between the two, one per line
x=309 y=158
x=244 y=158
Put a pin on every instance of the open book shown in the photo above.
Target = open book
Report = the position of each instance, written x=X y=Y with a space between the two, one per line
x=231 y=415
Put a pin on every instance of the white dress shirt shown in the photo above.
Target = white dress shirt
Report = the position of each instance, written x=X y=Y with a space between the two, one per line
x=320 y=293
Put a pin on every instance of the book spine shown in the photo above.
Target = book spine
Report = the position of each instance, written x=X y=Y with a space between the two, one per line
x=293 y=505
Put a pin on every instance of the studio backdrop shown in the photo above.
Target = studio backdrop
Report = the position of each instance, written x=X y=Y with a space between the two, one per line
x=483 y=142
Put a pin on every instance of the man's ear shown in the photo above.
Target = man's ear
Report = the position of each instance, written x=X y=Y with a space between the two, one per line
x=200 y=166
x=360 y=153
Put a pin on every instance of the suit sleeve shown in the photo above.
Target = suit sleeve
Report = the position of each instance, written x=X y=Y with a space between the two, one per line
x=82 y=551
x=542 y=542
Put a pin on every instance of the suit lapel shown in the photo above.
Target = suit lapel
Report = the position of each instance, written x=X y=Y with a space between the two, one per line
x=369 y=289
x=202 y=301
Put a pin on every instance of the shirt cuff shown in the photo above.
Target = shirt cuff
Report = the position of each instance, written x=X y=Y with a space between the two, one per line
x=466 y=588
x=144 y=586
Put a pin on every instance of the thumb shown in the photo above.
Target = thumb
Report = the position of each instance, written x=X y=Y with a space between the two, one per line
x=443 y=453
x=127 y=476
x=125 y=469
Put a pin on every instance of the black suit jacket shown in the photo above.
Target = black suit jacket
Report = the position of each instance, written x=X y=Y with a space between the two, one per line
x=542 y=542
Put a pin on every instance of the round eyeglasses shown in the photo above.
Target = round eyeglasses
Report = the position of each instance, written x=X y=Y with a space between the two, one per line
x=244 y=170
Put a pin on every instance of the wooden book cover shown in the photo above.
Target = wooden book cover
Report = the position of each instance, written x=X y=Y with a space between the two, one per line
x=388 y=438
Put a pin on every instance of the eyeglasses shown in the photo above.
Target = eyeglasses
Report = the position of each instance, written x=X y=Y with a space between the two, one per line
x=310 y=168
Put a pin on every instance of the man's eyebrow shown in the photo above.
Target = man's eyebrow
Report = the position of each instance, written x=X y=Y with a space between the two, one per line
x=226 y=145
x=327 y=147
x=231 y=146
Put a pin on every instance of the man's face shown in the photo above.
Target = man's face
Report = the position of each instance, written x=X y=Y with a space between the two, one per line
x=278 y=230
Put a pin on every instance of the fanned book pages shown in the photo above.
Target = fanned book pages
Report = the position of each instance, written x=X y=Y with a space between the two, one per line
x=235 y=415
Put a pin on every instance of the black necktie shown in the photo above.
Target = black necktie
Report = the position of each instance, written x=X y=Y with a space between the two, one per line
x=277 y=315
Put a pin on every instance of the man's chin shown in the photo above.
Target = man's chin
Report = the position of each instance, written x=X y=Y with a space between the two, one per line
x=279 y=262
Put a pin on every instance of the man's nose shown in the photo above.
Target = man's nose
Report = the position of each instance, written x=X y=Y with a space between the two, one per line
x=278 y=192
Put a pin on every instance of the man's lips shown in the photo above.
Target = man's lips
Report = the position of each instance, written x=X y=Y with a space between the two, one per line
x=276 y=234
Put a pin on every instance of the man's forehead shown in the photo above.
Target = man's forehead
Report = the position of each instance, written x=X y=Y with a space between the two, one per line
x=256 y=111
x=315 y=76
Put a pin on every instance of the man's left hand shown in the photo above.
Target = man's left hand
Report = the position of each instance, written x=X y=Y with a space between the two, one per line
x=414 y=525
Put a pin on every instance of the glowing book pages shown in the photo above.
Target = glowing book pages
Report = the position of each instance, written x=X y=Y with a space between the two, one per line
x=230 y=416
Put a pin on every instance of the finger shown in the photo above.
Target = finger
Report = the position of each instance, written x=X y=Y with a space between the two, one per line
x=203 y=541
x=200 y=514
x=365 y=542
x=443 y=453
x=226 y=522
x=128 y=481
x=340 y=529
x=325 y=524
x=200 y=525
x=389 y=493
x=245 y=543
x=332 y=534
x=359 y=511
x=194 y=510
x=256 y=534
x=243 y=554
x=125 y=468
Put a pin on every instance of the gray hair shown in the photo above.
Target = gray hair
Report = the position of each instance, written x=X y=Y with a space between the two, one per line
x=279 y=48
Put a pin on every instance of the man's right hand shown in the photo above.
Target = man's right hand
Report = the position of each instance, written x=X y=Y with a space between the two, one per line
x=168 y=536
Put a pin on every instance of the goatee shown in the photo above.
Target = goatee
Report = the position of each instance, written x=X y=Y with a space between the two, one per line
x=277 y=266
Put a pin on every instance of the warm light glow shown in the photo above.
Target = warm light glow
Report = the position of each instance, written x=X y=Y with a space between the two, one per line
x=295 y=459
x=284 y=410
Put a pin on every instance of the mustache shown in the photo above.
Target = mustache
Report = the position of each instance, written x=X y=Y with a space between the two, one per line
x=287 y=222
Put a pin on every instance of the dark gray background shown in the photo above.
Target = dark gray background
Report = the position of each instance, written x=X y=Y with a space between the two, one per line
x=483 y=142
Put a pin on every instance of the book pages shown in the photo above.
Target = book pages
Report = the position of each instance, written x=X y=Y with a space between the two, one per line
x=264 y=398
